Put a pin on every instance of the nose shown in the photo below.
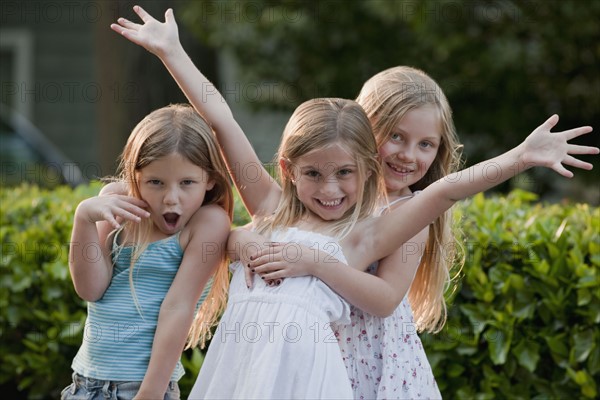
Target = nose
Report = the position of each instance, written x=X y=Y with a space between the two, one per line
x=170 y=197
x=330 y=186
x=406 y=153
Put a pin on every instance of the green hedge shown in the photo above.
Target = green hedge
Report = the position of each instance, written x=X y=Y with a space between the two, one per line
x=523 y=321
x=40 y=315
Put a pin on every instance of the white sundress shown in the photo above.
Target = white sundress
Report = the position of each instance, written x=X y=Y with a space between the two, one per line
x=276 y=342
x=384 y=357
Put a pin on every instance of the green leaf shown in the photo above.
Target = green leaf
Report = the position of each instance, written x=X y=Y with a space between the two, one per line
x=584 y=343
x=477 y=317
x=516 y=281
x=498 y=344
x=524 y=310
x=527 y=353
x=589 y=390
x=585 y=381
x=542 y=267
x=593 y=362
x=558 y=347
x=584 y=296
x=455 y=370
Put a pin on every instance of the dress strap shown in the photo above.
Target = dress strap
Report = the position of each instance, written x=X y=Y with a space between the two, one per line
x=399 y=199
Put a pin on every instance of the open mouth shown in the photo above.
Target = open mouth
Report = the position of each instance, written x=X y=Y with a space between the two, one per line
x=332 y=204
x=171 y=219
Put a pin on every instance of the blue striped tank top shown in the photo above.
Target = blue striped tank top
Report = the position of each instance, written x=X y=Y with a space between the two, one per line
x=117 y=340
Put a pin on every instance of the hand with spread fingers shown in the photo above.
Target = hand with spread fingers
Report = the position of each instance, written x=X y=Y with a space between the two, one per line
x=543 y=148
x=155 y=36
x=113 y=209
x=286 y=260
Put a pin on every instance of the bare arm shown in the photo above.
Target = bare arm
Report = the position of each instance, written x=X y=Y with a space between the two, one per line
x=375 y=294
x=379 y=237
x=260 y=196
x=209 y=230
x=89 y=254
x=381 y=295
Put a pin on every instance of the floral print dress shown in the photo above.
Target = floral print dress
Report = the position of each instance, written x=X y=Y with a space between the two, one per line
x=384 y=357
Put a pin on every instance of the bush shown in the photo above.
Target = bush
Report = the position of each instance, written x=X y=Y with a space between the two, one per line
x=523 y=321
x=40 y=314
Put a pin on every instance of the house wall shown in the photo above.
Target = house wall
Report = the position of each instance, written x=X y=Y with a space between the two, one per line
x=85 y=88
x=263 y=128
x=55 y=86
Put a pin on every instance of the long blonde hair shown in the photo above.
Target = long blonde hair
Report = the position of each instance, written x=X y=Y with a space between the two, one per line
x=316 y=124
x=179 y=129
x=387 y=97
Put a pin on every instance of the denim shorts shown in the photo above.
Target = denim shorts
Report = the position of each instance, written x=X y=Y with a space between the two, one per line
x=96 y=389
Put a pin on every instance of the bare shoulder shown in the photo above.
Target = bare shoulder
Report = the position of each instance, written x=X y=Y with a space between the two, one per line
x=115 y=187
x=209 y=222
x=211 y=216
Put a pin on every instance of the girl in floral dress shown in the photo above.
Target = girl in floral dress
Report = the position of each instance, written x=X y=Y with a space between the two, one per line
x=417 y=142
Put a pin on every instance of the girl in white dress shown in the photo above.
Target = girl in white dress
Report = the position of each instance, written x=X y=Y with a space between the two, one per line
x=417 y=144
x=275 y=341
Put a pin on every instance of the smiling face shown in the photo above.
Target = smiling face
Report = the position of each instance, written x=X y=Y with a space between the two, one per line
x=410 y=149
x=174 y=189
x=327 y=182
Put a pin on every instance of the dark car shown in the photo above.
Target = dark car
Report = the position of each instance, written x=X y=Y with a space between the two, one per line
x=27 y=155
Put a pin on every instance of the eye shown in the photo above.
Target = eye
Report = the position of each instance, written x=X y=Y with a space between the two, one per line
x=154 y=182
x=396 y=137
x=187 y=182
x=312 y=174
x=345 y=172
x=427 y=144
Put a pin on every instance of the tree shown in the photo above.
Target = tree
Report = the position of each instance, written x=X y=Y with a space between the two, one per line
x=504 y=65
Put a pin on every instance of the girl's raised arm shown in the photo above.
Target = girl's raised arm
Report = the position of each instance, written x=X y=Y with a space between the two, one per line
x=261 y=195
x=379 y=237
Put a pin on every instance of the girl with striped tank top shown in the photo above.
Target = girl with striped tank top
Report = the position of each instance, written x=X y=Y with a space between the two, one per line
x=157 y=273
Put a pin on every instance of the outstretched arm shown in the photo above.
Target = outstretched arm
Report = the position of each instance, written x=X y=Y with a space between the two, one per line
x=89 y=253
x=162 y=39
x=378 y=295
x=379 y=237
